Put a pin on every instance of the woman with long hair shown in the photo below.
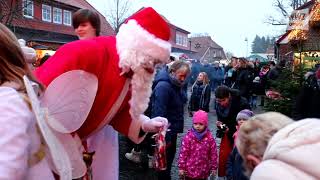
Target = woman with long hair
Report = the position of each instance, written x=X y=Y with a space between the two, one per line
x=200 y=94
x=22 y=152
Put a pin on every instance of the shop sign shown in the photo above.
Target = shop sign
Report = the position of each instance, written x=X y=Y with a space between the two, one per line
x=299 y=20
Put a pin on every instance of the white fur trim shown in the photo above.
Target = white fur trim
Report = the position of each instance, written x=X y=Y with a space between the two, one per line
x=133 y=40
x=134 y=131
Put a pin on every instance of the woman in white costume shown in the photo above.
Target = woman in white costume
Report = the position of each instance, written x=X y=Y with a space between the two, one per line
x=22 y=152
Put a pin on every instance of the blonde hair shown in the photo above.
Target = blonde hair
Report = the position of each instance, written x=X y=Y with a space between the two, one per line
x=13 y=65
x=254 y=135
x=205 y=78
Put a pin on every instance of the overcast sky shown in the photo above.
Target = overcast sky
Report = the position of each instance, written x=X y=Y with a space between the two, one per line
x=229 y=22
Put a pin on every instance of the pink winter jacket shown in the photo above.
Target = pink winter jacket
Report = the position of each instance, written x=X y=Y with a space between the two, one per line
x=292 y=153
x=198 y=158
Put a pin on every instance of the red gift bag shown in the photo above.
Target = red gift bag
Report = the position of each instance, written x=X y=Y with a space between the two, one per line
x=225 y=149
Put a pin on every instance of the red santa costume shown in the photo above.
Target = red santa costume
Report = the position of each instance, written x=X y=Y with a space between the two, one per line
x=140 y=44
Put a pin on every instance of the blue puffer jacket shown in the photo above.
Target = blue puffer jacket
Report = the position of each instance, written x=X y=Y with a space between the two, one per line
x=168 y=101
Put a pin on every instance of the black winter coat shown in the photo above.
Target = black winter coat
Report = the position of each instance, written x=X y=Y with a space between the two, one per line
x=244 y=81
x=308 y=101
x=235 y=169
x=200 y=97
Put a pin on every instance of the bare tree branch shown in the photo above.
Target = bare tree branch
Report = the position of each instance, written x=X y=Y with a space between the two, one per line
x=276 y=22
x=119 y=11
x=282 y=8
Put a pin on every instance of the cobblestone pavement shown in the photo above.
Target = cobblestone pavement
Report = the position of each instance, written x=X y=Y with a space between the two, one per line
x=132 y=171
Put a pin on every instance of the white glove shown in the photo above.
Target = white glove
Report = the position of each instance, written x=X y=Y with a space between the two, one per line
x=28 y=52
x=154 y=124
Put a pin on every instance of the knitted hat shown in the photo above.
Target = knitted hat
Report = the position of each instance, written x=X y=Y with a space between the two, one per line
x=244 y=114
x=200 y=117
x=145 y=31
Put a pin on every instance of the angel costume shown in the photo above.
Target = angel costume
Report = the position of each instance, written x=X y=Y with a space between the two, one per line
x=121 y=98
x=19 y=140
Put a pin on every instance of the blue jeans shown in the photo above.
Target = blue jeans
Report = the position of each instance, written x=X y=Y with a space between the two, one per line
x=253 y=101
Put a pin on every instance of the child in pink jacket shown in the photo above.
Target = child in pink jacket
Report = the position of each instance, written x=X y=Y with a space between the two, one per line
x=198 y=152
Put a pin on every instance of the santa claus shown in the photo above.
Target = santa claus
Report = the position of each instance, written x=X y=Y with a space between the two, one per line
x=123 y=67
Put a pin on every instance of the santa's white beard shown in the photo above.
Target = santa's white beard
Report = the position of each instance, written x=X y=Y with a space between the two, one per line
x=141 y=84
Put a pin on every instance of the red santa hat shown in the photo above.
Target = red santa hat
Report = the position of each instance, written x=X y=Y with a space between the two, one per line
x=143 y=39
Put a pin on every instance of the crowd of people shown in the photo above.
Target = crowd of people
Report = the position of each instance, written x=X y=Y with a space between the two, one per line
x=235 y=95
x=251 y=78
x=131 y=88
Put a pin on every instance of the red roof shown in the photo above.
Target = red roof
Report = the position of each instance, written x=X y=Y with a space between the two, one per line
x=106 y=28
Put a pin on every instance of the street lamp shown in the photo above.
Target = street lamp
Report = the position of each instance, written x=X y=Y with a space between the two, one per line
x=246 y=40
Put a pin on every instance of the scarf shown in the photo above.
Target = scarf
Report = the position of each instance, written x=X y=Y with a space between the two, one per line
x=199 y=135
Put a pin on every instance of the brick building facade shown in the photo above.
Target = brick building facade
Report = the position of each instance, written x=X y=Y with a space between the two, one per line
x=46 y=23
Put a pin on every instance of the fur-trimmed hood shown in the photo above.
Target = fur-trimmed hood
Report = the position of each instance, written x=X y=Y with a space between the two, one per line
x=292 y=153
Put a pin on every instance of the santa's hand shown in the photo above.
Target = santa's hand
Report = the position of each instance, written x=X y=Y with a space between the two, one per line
x=154 y=124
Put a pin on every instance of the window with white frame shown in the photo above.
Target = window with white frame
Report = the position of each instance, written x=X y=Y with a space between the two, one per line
x=46 y=13
x=67 y=17
x=185 y=40
x=57 y=15
x=178 y=39
x=181 y=40
x=27 y=8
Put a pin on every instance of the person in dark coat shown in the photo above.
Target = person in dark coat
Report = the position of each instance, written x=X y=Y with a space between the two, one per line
x=235 y=168
x=263 y=74
x=256 y=90
x=196 y=68
x=168 y=101
x=274 y=71
x=231 y=73
x=257 y=67
x=308 y=101
x=244 y=79
x=217 y=74
x=200 y=94
x=228 y=104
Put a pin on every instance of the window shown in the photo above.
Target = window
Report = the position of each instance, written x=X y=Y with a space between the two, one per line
x=46 y=13
x=185 y=39
x=57 y=15
x=214 y=53
x=181 y=40
x=66 y=17
x=178 y=37
x=27 y=8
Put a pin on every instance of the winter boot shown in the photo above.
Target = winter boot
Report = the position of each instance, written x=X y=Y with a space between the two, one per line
x=134 y=156
x=150 y=162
